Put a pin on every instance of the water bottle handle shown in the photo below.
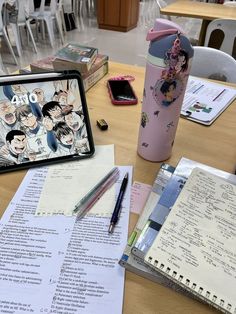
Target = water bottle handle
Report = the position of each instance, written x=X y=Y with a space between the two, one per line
x=163 y=27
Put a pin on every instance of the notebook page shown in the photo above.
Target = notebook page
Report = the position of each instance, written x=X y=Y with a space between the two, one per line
x=196 y=244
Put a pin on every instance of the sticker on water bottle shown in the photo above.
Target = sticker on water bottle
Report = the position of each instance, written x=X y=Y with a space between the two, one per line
x=167 y=89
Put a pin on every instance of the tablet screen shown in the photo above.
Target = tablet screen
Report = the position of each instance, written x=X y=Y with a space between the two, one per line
x=42 y=121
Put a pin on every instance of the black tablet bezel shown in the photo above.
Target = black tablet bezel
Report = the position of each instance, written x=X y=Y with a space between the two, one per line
x=48 y=77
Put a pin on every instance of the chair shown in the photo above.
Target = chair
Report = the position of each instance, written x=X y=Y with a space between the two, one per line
x=223 y=30
x=60 y=10
x=81 y=9
x=79 y=6
x=188 y=22
x=48 y=16
x=213 y=63
x=161 y=4
x=22 y=20
x=3 y=33
x=150 y=10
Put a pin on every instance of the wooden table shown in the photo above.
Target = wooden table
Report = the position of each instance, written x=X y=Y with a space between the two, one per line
x=214 y=145
x=202 y=10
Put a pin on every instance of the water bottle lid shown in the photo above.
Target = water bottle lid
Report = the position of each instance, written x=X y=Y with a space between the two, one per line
x=163 y=27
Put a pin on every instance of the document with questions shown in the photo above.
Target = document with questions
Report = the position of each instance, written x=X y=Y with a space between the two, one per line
x=56 y=264
x=196 y=244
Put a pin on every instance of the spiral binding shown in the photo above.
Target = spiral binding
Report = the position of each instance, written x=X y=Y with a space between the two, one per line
x=204 y=295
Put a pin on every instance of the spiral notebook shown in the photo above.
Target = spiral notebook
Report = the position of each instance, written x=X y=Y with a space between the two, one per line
x=195 y=247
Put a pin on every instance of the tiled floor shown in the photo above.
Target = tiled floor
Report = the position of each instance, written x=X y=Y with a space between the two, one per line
x=128 y=47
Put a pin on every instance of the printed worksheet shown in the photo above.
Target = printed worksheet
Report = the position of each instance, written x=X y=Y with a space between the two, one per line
x=56 y=264
x=204 y=100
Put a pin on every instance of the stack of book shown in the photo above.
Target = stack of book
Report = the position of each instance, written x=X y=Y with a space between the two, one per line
x=92 y=65
x=185 y=236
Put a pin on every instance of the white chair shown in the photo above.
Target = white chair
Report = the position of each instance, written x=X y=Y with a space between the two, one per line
x=230 y=3
x=149 y=12
x=76 y=6
x=151 y=9
x=213 y=63
x=3 y=33
x=81 y=9
x=48 y=17
x=60 y=9
x=228 y=29
x=79 y=6
x=22 y=20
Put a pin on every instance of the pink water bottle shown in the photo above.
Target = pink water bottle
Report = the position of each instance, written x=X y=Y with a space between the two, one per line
x=167 y=70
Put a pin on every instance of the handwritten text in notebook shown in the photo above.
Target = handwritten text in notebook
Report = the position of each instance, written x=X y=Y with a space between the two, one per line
x=196 y=245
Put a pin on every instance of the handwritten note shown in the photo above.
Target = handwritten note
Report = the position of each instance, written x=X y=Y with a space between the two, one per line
x=197 y=241
x=67 y=183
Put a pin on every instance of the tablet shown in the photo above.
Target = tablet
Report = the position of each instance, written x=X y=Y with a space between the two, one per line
x=43 y=119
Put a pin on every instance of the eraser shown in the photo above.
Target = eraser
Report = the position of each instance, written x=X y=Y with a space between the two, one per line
x=101 y=123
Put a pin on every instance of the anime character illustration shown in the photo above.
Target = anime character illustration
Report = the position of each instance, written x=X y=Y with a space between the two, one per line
x=18 y=95
x=177 y=58
x=168 y=90
x=61 y=97
x=17 y=147
x=182 y=61
x=40 y=96
x=170 y=86
x=16 y=89
x=67 y=94
x=60 y=85
x=68 y=142
x=169 y=126
x=53 y=111
x=40 y=136
x=197 y=107
x=35 y=126
x=74 y=120
x=144 y=119
x=66 y=139
x=7 y=113
x=8 y=122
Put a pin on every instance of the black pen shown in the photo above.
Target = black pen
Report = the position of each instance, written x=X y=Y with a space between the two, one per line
x=116 y=212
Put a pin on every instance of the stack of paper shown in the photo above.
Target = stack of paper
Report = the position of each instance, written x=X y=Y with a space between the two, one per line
x=55 y=263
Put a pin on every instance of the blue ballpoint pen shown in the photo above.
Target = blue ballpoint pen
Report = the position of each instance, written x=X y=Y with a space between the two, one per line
x=117 y=209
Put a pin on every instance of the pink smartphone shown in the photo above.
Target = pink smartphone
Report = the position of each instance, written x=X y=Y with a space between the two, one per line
x=121 y=92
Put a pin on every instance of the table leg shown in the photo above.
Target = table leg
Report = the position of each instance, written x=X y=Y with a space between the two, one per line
x=202 y=34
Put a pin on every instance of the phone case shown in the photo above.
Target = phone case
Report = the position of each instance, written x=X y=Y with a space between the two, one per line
x=132 y=101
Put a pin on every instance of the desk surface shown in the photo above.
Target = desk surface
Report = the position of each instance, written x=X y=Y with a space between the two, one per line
x=214 y=145
x=201 y=10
